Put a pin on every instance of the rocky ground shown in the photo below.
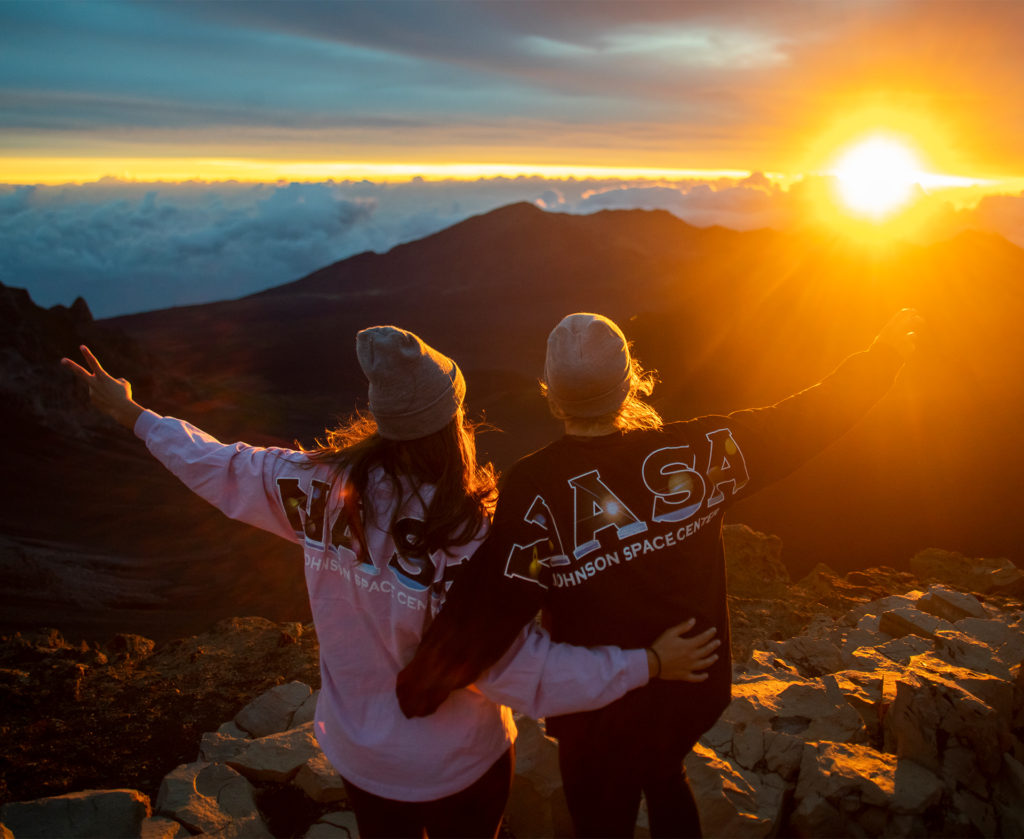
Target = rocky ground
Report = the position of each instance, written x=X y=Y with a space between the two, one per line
x=124 y=713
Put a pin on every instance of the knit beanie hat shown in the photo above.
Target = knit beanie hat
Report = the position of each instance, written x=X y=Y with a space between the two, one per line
x=414 y=390
x=588 y=368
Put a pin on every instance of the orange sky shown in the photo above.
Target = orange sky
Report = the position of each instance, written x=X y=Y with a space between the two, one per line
x=390 y=90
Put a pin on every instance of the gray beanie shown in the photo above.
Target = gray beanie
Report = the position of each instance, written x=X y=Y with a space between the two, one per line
x=588 y=368
x=414 y=390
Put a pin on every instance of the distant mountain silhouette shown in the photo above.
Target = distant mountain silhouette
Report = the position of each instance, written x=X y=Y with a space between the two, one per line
x=731 y=320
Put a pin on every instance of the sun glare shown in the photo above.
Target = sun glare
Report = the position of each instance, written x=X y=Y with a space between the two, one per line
x=877 y=176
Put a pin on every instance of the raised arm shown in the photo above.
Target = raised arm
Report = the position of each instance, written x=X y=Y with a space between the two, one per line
x=777 y=439
x=241 y=481
x=111 y=396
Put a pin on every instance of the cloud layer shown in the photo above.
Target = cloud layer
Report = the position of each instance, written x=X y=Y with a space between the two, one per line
x=129 y=247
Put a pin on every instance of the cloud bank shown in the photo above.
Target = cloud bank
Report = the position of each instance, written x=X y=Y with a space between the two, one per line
x=129 y=247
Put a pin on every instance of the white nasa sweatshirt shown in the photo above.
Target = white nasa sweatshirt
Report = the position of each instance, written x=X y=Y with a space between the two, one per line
x=369 y=618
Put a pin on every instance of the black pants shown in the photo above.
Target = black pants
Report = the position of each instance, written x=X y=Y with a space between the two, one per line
x=603 y=785
x=472 y=813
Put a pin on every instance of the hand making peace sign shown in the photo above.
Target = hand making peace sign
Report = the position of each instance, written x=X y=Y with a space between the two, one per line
x=112 y=396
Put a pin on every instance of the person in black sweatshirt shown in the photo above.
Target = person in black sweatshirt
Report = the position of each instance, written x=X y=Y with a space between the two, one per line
x=613 y=530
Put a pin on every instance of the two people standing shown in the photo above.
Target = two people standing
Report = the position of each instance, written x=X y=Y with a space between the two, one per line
x=613 y=531
x=388 y=509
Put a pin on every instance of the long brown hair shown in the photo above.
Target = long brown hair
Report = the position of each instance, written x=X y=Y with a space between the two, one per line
x=465 y=491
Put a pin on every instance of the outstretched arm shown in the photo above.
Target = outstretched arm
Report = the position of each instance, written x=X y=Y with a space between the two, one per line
x=239 y=480
x=111 y=396
x=777 y=439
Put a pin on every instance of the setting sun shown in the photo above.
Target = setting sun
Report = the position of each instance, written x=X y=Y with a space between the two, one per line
x=877 y=176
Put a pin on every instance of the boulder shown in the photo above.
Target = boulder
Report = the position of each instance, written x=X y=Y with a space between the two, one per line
x=320 y=781
x=277 y=757
x=229 y=729
x=90 y=813
x=748 y=745
x=306 y=712
x=218 y=748
x=783 y=753
x=915 y=789
x=964 y=651
x=954 y=569
x=935 y=700
x=207 y=798
x=811 y=656
x=907 y=621
x=339 y=825
x=847 y=772
x=816 y=818
x=161 y=827
x=813 y=710
x=878 y=607
x=272 y=711
x=732 y=801
x=951 y=605
x=901 y=650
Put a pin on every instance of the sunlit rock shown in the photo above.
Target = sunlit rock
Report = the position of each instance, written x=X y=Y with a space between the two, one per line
x=901 y=650
x=320 y=781
x=838 y=771
x=932 y=697
x=216 y=747
x=732 y=802
x=811 y=709
x=960 y=649
x=951 y=605
x=160 y=827
x=276 y=757
x=306 y=711
x=811 y=656
x=879 y=607
x=79 y=815
x=272 y=711
x=909 y=621
x=762 y=661
x=951 y=568
x=207 y=797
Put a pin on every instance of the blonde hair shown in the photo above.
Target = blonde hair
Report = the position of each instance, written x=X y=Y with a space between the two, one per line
x=632 y=415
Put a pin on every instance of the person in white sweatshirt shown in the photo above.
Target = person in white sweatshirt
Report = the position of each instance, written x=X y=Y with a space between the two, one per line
x=387 y=509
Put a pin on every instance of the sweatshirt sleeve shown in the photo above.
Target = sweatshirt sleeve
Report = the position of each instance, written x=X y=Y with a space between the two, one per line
x=542 y=678
x=483 y=614
x=776 y=440
x=237 y=479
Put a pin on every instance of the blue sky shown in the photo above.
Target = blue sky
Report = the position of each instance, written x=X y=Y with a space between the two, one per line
x=247 y=143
